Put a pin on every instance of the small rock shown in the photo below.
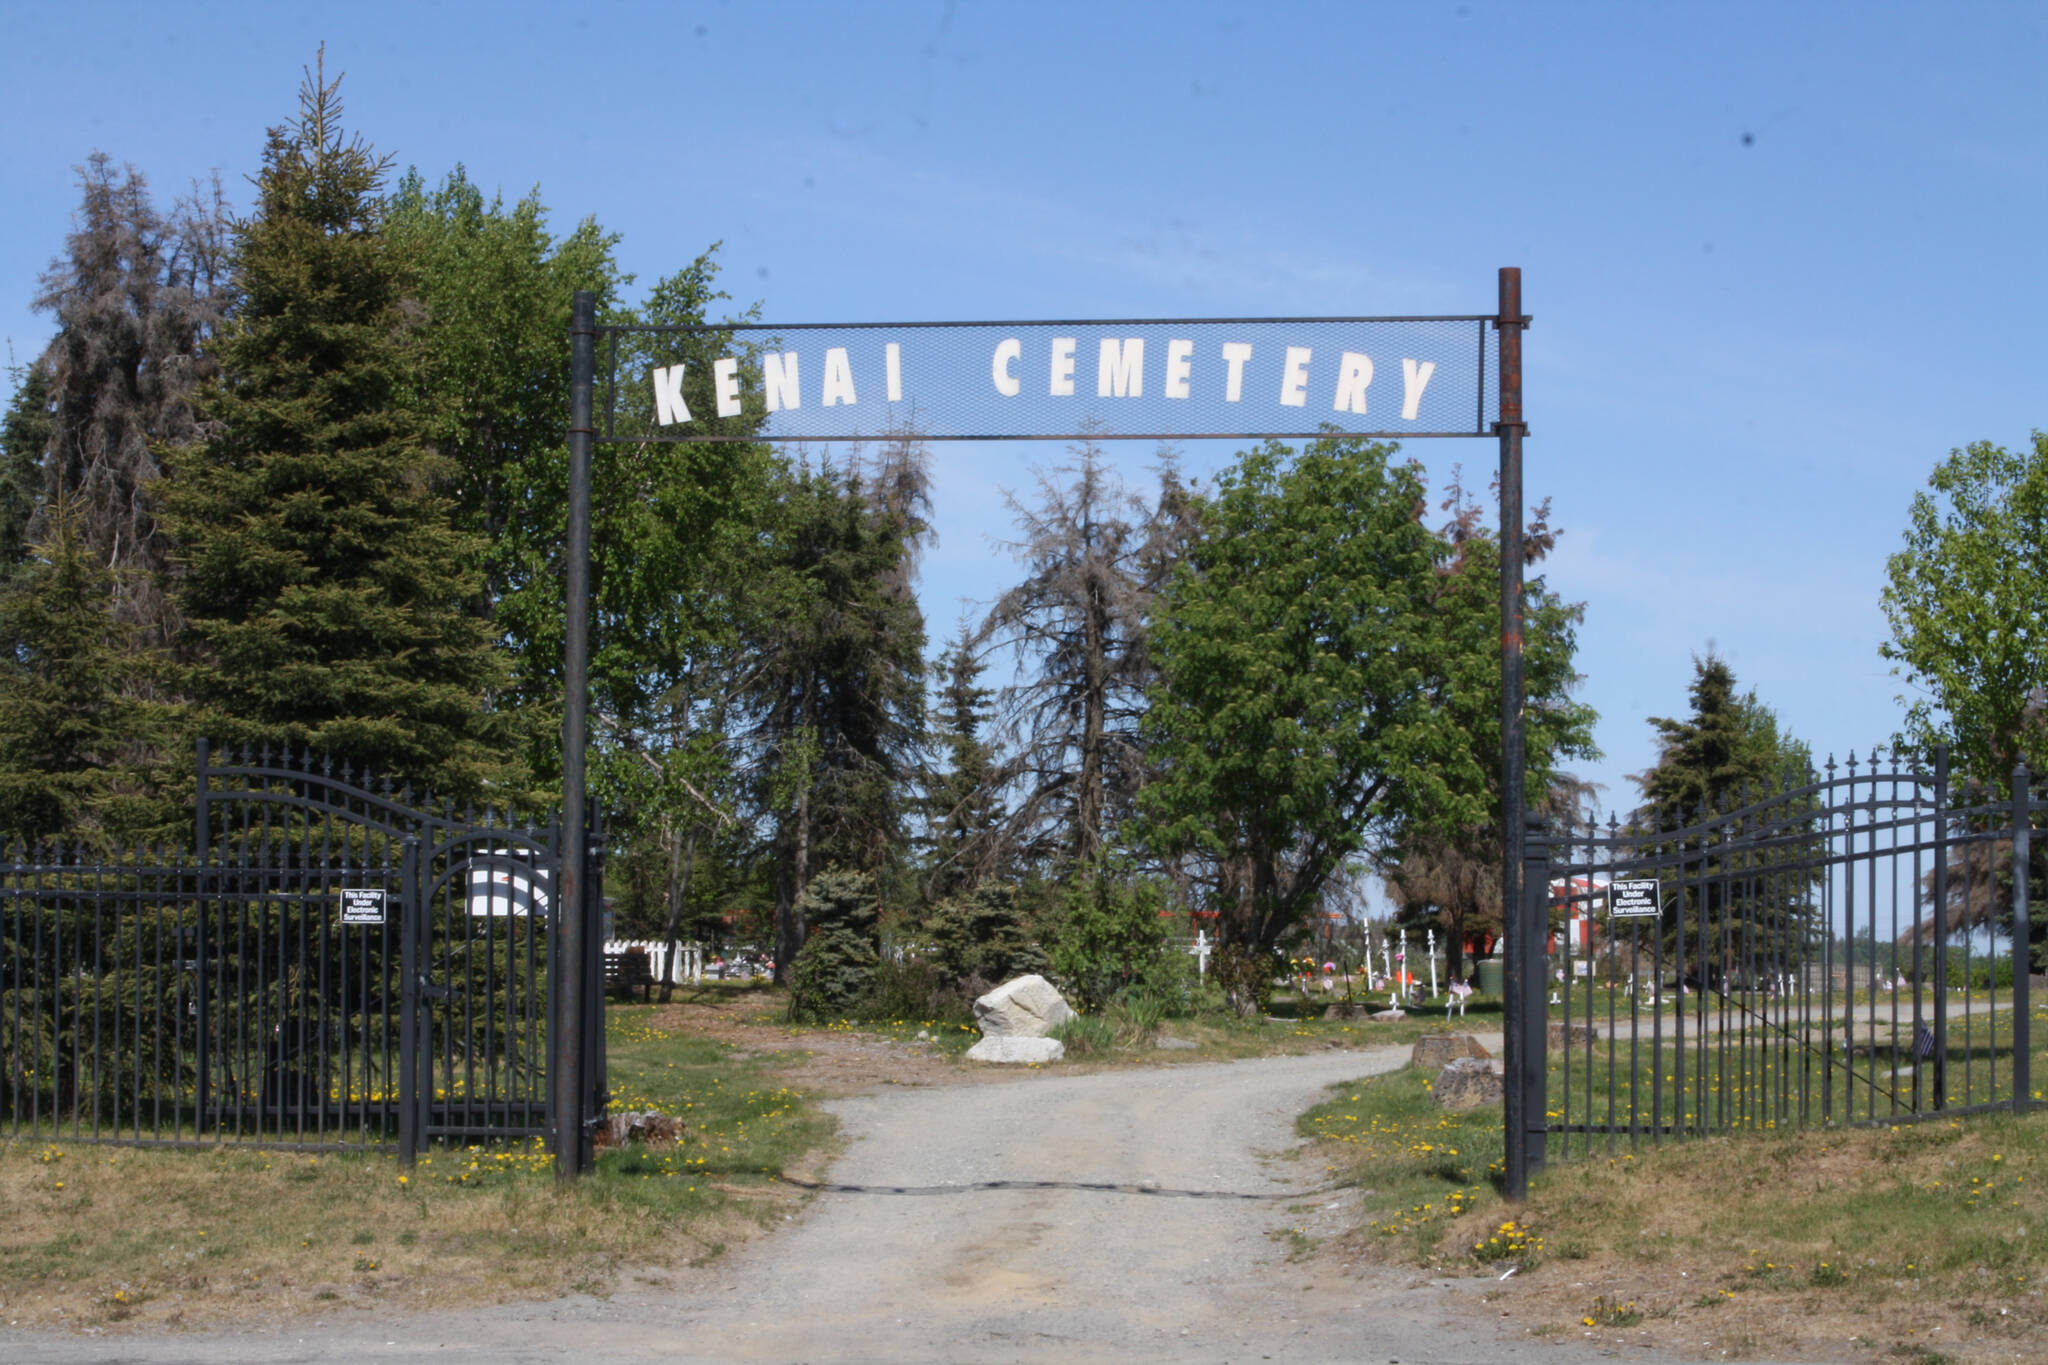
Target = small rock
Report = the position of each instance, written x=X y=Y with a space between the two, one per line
x=1467 y=1083
x=1165 y=1044
x=1346 y=1009
x=1012 y=1049
x=1435 y=1050
x=1391 y=1016
x=1028 y=1007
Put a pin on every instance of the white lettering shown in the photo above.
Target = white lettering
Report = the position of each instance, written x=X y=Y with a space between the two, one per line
x=1007 y=383
x=1294 y=378
x=892 y=358
x=1180 y=363
x=669 y=407
x=1354 y=374
x=1063 y=367
x=838 y=379
x=725 y=382
x=778 y=381
x=1120 y=368
x=1235 y=354
x=1414 y=379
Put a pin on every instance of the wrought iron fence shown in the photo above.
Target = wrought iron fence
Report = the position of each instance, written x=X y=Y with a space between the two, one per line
x=326 y=966
x=1849 y=946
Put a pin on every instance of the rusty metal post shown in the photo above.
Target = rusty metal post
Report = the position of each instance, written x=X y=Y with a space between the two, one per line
x=1522 y=979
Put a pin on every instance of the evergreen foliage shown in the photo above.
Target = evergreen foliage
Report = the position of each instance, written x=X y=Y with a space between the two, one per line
x=838 y=961
x=137 y=297
x=835 y=669
x=326 y=587
x=1729 y=753
x=979 y=939
x=70 y=724
x=25 y=433
x=963 y=804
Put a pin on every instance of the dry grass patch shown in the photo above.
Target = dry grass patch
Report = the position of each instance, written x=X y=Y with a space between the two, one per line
x=100 y=1236
x=1926 y=1241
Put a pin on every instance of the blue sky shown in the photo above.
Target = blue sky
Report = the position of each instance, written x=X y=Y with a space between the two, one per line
x=1781 y=258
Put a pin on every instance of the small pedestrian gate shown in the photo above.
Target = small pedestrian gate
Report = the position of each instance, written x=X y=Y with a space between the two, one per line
x=1849 y=947
x=328 y=965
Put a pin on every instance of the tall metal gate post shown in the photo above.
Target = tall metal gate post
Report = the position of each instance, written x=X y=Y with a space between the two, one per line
x=2022 y=940
x=1535 y=1022
x=1522 y=959
x=596 y=1095
x=1938 y=1096
x=208 y=895
x=572 y=926
x=411 y=1075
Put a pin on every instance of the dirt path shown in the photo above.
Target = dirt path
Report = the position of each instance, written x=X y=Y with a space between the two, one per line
x=1134 y=1215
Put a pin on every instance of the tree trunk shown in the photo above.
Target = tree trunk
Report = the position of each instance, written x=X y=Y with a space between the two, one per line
x=789 y=922
x=682 y=860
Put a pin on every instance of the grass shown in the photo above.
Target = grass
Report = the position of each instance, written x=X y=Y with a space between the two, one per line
x=1921 y=1239
x=102 y=1235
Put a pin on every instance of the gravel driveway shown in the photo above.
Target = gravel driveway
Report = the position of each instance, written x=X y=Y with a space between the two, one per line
x=1126 y=1215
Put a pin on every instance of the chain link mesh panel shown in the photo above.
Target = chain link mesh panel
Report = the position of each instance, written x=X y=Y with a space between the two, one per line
x=1110 y=379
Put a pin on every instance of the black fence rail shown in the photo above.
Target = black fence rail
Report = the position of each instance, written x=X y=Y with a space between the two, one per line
x=1851 y=946
x=326 y=966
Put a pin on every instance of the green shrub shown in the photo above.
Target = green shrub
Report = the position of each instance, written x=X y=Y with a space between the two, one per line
x=912 y=990
x=1111 y=937
x=979 y=940
x=837 y=962
x=1980 y=974
x=1246 y=978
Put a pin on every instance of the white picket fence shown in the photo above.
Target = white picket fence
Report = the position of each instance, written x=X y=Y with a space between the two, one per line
x=689 y=959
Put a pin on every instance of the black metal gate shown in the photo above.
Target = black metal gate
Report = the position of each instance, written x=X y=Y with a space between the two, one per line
x=329 y=965
x=1850 y=947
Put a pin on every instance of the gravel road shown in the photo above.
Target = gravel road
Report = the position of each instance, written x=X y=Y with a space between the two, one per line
x=1126 y=1215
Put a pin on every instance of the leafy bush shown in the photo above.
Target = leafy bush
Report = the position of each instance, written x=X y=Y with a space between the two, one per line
x=1246 y=978
x=838 y=961
x=1111 y=937
x=1980 y=973
x=979 y=940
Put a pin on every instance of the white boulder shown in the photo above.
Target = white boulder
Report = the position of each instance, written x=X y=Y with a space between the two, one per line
x=1011 y=1048
x=1028 y=1007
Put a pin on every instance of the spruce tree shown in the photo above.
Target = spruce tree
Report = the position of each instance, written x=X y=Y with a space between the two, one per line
x=1729 y=754
x=326 y=585
x=69 y=722
x=25 y=432
x=136 y=296
x=963 y=804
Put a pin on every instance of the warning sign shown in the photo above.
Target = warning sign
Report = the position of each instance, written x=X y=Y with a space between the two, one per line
x=361 y=905
x=1633 y=900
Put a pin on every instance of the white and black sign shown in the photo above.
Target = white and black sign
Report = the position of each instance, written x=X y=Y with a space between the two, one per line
x=1633 y=900
x=994 y=380
x=362 y=905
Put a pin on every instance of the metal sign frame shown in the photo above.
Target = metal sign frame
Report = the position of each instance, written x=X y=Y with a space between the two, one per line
x=1499 y=340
